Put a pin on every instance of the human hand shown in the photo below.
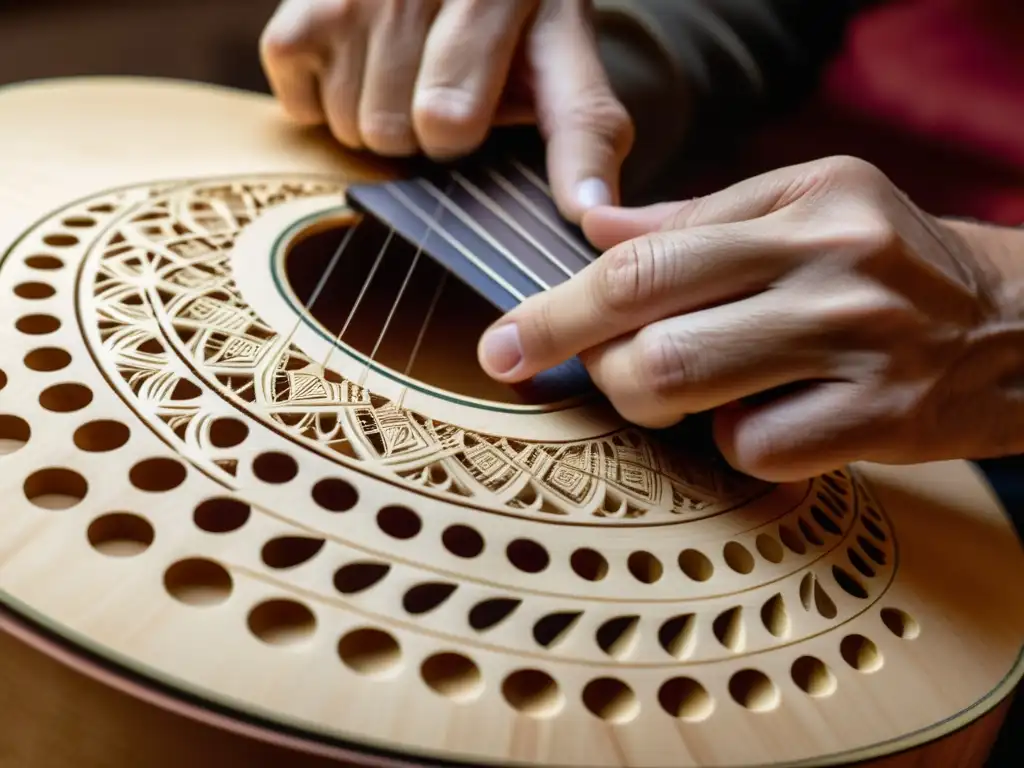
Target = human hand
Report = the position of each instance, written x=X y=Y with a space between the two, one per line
x=867 y=329
x=399 y=77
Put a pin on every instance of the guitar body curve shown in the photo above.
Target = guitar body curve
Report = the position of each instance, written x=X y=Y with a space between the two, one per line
x=256 y=517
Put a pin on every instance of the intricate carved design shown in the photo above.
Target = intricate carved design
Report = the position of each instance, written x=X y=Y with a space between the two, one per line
x=169 y=310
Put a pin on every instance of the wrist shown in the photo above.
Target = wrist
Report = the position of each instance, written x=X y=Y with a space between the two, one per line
x=999 y=252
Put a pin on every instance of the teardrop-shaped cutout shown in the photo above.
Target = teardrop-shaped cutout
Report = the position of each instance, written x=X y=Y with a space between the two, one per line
x=826 y=522
x=678 y=636
x=618 y=637
x=871 y=550
x=792 y=541
x=810 y=534
x=728 y=628
x=357 y=577
x=807 y=591
x=775 y=617
x=490 y=613
x=769 y=548
x=426 y=597
x=290 y=551
x=848 y=583
x=860 y=563
x=823 y=602
x=554 y=628
x=873 y=529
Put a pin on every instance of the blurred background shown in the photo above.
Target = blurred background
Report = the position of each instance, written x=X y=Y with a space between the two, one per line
x=213 y=41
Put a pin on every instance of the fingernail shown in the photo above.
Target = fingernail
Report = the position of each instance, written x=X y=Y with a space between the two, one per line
x=501 y=350
x=593 y=192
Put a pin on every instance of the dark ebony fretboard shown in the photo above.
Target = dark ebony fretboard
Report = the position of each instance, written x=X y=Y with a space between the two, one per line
x=490 y=221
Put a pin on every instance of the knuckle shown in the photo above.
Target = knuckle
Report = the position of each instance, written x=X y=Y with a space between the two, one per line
x=596 y=110
x=452 y=114
x=387 y=133
x=660 y=363
x=627 y=275
x=337 y=13
x=538 y=328
x=845 y=172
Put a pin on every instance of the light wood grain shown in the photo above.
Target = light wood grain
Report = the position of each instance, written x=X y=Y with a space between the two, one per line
x=204 y=486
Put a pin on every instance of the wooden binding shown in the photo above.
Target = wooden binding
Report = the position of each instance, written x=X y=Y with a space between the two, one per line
x=257 y=514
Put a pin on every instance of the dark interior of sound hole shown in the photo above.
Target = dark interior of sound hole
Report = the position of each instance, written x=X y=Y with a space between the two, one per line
x=446 y=357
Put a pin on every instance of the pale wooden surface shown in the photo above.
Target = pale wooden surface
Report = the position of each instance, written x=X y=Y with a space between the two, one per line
x=242 y=607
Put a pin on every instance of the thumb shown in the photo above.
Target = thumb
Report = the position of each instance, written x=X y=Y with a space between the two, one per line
x=587 y=130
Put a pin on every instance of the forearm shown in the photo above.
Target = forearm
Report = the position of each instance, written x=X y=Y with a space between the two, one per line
x=695 y=70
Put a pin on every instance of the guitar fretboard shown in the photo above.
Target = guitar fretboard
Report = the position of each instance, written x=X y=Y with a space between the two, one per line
x=492 y=223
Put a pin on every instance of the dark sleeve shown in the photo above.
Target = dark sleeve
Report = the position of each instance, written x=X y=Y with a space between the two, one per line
x=697 y=73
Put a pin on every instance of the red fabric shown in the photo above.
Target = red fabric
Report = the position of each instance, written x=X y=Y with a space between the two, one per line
x=931 y=91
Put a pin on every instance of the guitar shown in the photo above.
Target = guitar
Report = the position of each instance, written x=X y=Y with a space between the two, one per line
x=262 y=508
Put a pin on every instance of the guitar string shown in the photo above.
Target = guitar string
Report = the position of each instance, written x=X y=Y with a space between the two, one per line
x=332 y=265
x=401 y=292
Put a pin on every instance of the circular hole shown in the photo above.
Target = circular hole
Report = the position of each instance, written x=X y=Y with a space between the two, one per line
x=813 y=677
x=14 y=433
x=370 y=652
x=228 y=432
x=738 y=557
x=335 y=495
x=55 y=488
x=282 y=622
x=60 y=240
x=645 y=567
x=157 y=475
x=198 y=581
x=101 y=436
x=532 y=693
x=37 y=325
x=753 y=690
x=686 y=699
x=65 y=398
x=34 y=291
x=611 y=700
x=221 y=515
x=44 y=262
x=860 y=653
x=769 y=548
x=695 y=565
x=3 y=379
x=901 y=624
x=528 y=556
x=589 y=564
x=47 y=359
x=453 y=675
x=79 y=222
x=275 y=468
x=121 y=534
x=399 y=522
x=463 y=541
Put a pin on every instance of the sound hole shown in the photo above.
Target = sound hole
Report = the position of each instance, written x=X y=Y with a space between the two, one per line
x=446 y=357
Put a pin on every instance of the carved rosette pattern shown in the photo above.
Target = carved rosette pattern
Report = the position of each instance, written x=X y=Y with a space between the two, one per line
x=170 y=313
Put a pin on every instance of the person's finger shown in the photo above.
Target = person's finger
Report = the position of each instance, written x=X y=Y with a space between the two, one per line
x=607 y=226
x=636 y=283
x=394 y=49
x=804 y=433
x=465 y=64
x=292 y=57
x=341 y=87
x=703 y=360
x=587 y=130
